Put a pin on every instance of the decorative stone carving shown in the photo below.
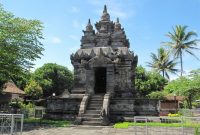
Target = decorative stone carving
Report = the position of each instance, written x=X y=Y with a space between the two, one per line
x=105 y=16
x=107 y=48
x=103 y=67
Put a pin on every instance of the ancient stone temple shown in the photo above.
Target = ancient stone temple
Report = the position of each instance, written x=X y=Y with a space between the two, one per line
x=104 y=72
x=104 y=63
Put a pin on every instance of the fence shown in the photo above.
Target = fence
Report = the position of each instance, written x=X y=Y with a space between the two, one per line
x=166 y=125
x=11 y=124
x=190 y=112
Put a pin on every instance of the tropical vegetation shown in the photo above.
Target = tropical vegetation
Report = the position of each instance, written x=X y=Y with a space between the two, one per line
x=182 y=41
x=162 y=63
x=53 y=78
x=148 y=81
x=20 y=46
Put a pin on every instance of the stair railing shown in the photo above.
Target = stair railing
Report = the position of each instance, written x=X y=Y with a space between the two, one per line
x=105 y=109
x=82 y=109
x=83 y=104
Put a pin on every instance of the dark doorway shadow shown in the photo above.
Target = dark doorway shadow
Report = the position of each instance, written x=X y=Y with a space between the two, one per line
x=100 y=80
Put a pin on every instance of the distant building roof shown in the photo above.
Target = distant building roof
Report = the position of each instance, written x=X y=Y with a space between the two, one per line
x=178 y=98
x=10 y=87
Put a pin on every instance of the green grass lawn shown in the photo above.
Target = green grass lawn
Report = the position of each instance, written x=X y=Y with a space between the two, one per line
x=56 y=123
x=155 y=124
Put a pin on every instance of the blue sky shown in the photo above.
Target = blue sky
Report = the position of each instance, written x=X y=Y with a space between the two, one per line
x=145 y=21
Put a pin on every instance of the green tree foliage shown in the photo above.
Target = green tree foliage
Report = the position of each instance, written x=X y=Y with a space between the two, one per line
x=147 y=82
x=20 y=44
x=185 y=86
x=162 y=63
x=33 y=90
x=182 y=41
x=161 y=95
x=53 y=78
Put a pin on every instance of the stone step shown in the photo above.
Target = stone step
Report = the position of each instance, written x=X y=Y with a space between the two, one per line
x=93 y=108
x=92 y=115
x=91 y=119
x=98 y=95
x=101 y=97
x=95 y=105
x=96 y=99
x=93 y=112
x=93 y=123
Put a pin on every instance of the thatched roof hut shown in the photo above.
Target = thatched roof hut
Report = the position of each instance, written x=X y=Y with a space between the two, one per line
x=10 y=87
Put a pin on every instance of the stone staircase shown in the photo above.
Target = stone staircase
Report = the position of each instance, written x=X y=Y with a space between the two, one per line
x=93 y=110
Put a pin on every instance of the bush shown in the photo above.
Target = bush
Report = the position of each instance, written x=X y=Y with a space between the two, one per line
x=173 y=115
x=158 y=95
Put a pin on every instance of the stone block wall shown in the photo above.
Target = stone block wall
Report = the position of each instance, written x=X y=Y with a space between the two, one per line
x=124 y=109
x=63 y=108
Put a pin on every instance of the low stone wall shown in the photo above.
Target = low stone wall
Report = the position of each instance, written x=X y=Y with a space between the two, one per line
x=121 y=109
x=124 y=109
x=146 y=107
x=65 y=108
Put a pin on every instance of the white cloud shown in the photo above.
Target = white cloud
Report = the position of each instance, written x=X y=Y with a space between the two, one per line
x=74 y=48
x=173 y=77
x=118 y=13
x=56 y=40
x=75 y=24
x=75 y=9
x=186 y=72
x=78 y=24
x=70 y=67
x=74 y=37
x=115 y=9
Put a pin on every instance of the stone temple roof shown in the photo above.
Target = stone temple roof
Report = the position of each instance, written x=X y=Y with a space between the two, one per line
x=108 y=33
x=103 y=51
x=106 y=50
x=109 y=40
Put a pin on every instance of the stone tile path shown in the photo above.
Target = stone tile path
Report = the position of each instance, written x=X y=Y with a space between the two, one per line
x=99 y=130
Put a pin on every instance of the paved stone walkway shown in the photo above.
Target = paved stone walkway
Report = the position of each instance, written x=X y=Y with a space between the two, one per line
x=94 y=130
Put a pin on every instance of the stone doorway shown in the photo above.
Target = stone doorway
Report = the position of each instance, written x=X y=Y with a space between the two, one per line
x=100 y=80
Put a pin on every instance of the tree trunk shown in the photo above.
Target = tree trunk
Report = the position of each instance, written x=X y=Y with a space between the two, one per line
x=181 y=57
x=190 y=101
x=163 y=73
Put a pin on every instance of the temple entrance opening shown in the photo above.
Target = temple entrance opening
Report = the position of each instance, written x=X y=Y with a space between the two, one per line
x=100 y=80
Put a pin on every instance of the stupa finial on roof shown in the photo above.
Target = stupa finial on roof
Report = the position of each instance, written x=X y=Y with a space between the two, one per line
x=105 y=16
x=117 y=25
x=105 y=9
x=89 y=26
x=117 y=19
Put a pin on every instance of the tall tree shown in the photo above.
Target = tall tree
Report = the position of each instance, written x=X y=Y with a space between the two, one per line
x=53 y=78
x=147 y=82
x=33 y=90
x=185 y=86
x=162 y=63
x=182 y=41
x=20 y=44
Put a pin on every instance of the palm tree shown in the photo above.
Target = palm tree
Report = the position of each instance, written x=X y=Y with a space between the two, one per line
x=162 y=63
x=182 y=41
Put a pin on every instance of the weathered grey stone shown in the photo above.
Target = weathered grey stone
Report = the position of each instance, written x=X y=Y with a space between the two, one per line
x=104 y=72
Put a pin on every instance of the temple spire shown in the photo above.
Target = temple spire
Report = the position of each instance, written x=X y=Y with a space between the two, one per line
x=105 y=16
x=89 y=26
x=117 y=25
x=89 y=23
x=117 y=20
x=105 y=9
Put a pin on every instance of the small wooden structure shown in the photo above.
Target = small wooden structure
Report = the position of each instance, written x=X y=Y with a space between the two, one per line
x=10 y=91
x=170 y=105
